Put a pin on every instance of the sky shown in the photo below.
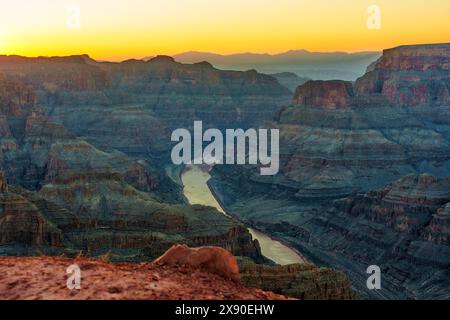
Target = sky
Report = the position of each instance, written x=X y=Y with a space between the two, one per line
x=121 y=29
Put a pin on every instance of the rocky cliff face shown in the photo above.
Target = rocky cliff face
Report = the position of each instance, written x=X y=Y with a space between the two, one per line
x=21 y=221
x=338 y=141
x=301 y=281
x=438 y=230
x=327 y=94
x=416 y=204
x=410 y=76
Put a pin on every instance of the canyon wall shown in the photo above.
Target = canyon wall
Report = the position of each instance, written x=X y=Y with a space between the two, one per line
x=381 y=144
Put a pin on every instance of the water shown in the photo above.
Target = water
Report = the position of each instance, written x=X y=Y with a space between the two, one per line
x=196 y=190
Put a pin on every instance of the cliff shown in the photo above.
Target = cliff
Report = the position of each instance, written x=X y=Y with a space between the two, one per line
x=410 y=76
x=21 y=221
x=327 y=94
x=301 y=281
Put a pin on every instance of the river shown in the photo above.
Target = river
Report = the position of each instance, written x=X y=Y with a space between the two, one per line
x=196 y=190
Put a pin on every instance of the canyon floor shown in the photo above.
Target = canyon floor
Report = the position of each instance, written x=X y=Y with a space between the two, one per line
x=45 y=278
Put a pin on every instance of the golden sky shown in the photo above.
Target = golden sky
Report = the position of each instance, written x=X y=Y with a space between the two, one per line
x=120 y=29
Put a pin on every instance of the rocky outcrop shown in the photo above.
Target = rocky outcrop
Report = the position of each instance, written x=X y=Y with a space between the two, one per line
x=45 y=278
x=410 y=76
x=326 y=94
x=211 y=259
x=48 y=74
x=438 y=230
x=22 y=223
x=15 y=98
x=301 y=281
x=405 y=205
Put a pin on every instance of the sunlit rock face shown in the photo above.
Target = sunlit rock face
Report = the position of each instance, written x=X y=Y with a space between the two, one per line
x=327 y=94
x=410 y=76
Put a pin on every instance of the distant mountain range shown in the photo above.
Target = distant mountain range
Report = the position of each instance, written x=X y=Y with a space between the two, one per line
x=306 y=64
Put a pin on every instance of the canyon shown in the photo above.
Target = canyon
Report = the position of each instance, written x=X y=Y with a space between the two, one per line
x=363 y=177
x=85 y=159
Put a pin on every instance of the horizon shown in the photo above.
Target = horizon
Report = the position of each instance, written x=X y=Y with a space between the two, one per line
x=150 y=56
x=120 y=31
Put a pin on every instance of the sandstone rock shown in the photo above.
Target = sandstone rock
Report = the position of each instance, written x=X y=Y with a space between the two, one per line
x=301 y=281
x=410 y=76
x=211 y=259
x=326 y=94
x=22 y=223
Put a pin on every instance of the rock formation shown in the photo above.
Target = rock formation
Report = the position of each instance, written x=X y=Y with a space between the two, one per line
x=410 y=76
x=21 y=222
x=301 y=281
x=211 y=259
x=327 y=94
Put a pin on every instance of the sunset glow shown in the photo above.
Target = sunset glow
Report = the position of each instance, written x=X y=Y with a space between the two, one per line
x=119 y=29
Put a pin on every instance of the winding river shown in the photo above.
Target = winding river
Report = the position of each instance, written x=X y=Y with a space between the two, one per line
x=196 y=190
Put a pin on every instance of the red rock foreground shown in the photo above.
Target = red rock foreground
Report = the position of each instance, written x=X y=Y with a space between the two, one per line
x=46 y=278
